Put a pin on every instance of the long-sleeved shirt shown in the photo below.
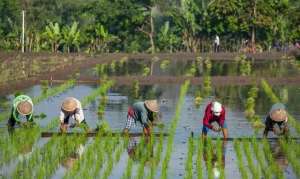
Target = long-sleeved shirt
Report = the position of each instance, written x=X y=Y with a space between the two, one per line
x=77 y=115
x=138 y=112
x=209 y=117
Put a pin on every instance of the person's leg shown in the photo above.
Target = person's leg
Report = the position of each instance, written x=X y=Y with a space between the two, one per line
x=266 y=131
x=11 y=121
x=204 y=132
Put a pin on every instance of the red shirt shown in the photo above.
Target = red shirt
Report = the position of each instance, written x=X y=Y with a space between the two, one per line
x=209 y=117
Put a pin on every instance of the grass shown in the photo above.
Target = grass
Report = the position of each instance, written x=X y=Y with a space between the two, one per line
x=291 y=150
x=252 y=167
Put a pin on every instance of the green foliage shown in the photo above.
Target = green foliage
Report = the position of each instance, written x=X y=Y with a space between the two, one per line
x=135 y=89
x=164 y=64
x=240 y=163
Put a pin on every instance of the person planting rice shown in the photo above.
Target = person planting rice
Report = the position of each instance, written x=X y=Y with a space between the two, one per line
x=277 y=115
x=22 y=111
x=71 y=109
x=214 y=112
x=143 y=112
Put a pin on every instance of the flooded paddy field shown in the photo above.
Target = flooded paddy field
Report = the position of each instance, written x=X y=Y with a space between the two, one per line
x=180 y=154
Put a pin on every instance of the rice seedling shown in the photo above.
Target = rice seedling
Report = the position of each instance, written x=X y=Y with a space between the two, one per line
x=113 y=66
x=272 y=164
x=208 y=157
x=245 y=67
x=192 y=70
x=101 y=70
x=239 y=156
x=260 y=157
x=254 y=169
x=146 y=71
x=220 y=162
x=135 y=89
x=208 y=64
x=207 y=85
x=164 y=64
x=198 y=98
x=183 y=91
x=291 y=154
x=189 y=160
x=199 y=159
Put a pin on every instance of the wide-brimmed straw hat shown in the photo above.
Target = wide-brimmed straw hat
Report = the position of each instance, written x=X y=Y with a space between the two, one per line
x=278 y=115
x=24 y=108
x=152 y=105
x=69 y=104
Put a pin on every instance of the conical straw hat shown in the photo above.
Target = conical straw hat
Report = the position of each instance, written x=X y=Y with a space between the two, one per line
x=152 y=105
x=278 y=115
x=24 y=108
x=69 y=104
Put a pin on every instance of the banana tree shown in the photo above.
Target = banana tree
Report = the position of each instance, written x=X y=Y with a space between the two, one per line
x=53 y=34
x=71 y=36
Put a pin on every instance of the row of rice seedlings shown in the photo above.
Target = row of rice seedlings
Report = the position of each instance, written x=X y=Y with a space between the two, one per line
x=255 y=170
x=199 y=159
x=276 y=170
x=86 y=100
x=189 y=160
x=48 y=157
x=146 y=155
x=146 y=71
x=220 y=162
x=137 y=154
x=239 y=156
x=14 y=145
x=268 y=90
x=113 y=157
x=208 y=157
x=289 y=150
x=93 y=152
x=260 y=157
x=157 y=156
x=172 y=129
x=50 y=92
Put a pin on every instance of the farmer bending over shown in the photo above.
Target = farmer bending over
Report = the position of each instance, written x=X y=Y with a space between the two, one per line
x=277 y=115
x=214 y=112
x=71 y=108
x=143 y=112
x=22 y=110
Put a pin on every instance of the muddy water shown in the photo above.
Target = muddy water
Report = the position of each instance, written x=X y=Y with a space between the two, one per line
x=120 y=97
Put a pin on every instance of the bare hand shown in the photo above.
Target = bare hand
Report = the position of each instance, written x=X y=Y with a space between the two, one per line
x=63 y=128
x=216 y=129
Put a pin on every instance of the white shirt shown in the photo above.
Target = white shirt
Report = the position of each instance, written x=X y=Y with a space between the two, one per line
x=78 y=116
x=217 y=40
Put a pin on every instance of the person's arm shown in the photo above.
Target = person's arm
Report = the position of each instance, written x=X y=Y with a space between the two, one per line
x=222 y=117
x=79 y=116
x=206 y=117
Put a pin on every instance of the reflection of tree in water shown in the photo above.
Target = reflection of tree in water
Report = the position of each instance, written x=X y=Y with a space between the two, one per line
x=278 y=155
x=214 y=157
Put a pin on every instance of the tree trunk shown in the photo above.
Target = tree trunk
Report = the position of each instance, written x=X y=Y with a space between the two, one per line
x=152 y=32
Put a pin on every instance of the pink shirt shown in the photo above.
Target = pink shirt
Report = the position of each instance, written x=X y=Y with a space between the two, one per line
x=209 y=117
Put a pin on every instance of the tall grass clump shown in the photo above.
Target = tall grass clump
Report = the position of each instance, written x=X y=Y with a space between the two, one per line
x=199 y=159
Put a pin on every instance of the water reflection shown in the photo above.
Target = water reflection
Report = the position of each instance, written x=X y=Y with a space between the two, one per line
x=278 y=154
x=214 y=157
x=140 y=149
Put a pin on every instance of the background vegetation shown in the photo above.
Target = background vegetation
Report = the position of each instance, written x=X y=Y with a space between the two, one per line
x=147 y=25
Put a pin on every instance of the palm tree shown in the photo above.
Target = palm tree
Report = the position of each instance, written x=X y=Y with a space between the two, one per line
x=53 y=35
x=71 y=36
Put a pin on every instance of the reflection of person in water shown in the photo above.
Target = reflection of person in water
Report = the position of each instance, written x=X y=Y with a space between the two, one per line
x=278 y=155
x=136 y=149
x=214 y=160
x=69 y=162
